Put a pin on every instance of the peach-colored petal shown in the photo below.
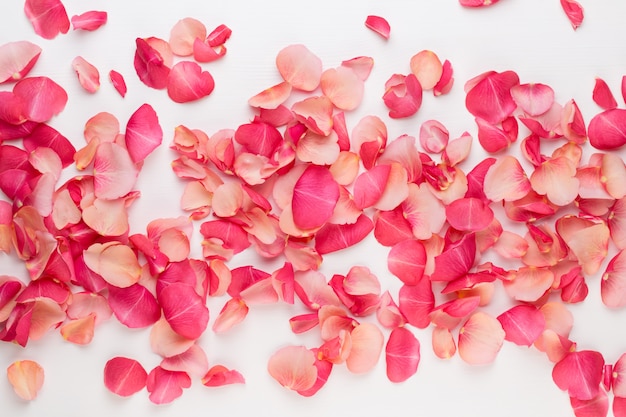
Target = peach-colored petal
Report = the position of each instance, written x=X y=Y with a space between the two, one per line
x=316 y=113
x=115 y=262
x=114 y=171
x=529 y=283
x=79 y=331
x=506 y=180
x=271 y=97
x=183 y=35
x=443 y=343
x=367 y=344
x=587 y=240
x=556 y=178
x=427 y=67
x=219 y=375
x=26 y=377
x=343 y=87
x=480 y=339
x=233 y=312
x=165 y=342
x=107 y=217
x=345 y=167
x=424 y=211
x=457 y=150
x=293 y=367
x=613 y=285
x=299 y=67
x=48 y=17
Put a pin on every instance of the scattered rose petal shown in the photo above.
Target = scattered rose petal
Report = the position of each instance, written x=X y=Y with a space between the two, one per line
x=26 y=377
x=293 y=367
x=118 y=82
x=574 y=12
x=187 y=82
x=299 y=67
x=17 y=59
x=402 y=353
x=124 y=376
x=480 y=339
x=580 y=374
x=91 y=20
x=379 y=25
x=88 y=75
x=48 y=17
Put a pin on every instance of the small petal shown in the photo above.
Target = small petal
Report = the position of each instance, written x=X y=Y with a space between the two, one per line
x=379 y=25
x=88 y=75
x=574 y=12
x=91 y=20
x=26 y=377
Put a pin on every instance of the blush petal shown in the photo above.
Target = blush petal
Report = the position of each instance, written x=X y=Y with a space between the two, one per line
x=26 y=377
x=480 y=339
x=343 y=87
x=124 y=376
x=314 y=197
x=367 y=344
x=88 y=75
x=17 y=59
x=427 y=68
x=114 y=171
x=183 y=35
x=293 y=367
x=299 y=67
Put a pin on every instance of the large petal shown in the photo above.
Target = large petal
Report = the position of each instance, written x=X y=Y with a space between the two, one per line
x=124 y=376
x=48 y=17
x=143 y=133
x=480 y=339
x=367 y=344
x=43 y=98
x=299 y=67
x=26 y=377
x=315 y=196
x=17 y=59
x=402 y=354
x=580 y=374
x=188 y=82
x=293 y=367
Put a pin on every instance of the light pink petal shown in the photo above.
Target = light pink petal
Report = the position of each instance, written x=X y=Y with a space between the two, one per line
x=402 y=353
x=114 y=171
x=574 y=12
x=233 y=312
x=619 y=377
x=332 y=237
x=118 y=82
x=424 y=212
x=343 y=87
x=469 y=214
x=396 y=190
x=613 y=175
x=316 y=113
x=506 y=180
x=367 y=344
x=272 y=97
x=580 y=374
x=529 y=283
x=533 y=98
x=416 y=302
x=607 y=130
x=433 y=136
x=407 y=260
x=314 y=197
x=184 y=310
x=379 y=25
x=510 y=245
x=87 y=303
x=26 y=377
x=193 y=361
x=556 y=179
x=150 y=64
x=613 y=284
x=445 y=83
x=490 y=98
x=369 y=138
x=17 y=59
x=427 y=67
x=90 y=20
x=293 y=367
x=48 y=17
x=523 y=324
x=165 y=386
x=318 y=149
x=443 y=343
x=480 y=339
x=164 y=341
x=219 y=376
x=187 y=82
x=43 y=98
x=587 y=240
x=299 y=67
x=456 y=260
x=88 y=75
x=361 y=65
x=219 y=35
x=403 y=95
x=115 y=262
x=183 y=35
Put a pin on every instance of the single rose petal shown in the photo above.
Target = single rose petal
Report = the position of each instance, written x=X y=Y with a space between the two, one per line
x=314 y=197
x=607 y=130
x=79 y=331
x=48 y=17
x=271 y=97
x=495 y=138
x=424 y=212
x=90 y=20
x=427 y=67
x=203 y=52
x=602 y=94
x=619 y=377
x=26 y=377
x=150 y=65
x=88 y=75
x=187 y=82
x=118 y=82
x=580 y=374
x=480 y=339
x=402 y=353
x=17 y=59
x=443 y=343
x=489 y=96
x=534 y=98
x=299 y=67
x=183 y=35
x=506 y=180
x=596 y=407
x=433 y=136
x=184 y=310
x=456 y=260
x=556 y=179
x=165 y=386
x=219 y=35
x=114 y=171
x=574 y=12
x=219 y=376
x=343 y=87
x=379 y=25
x=416 y=302
x=469 y=214
x=115 y=262
x=529 y=283
x=367 y=344
x=334 y=237
x=407 y=260
x=259 y=138
x=613 y=284
x=193 y=361
x=391 y=228
x=43 y=98
x=293 y=367
x=403 y=95
x=522 y=324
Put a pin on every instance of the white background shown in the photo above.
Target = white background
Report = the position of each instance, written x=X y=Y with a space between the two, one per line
x=532 y=37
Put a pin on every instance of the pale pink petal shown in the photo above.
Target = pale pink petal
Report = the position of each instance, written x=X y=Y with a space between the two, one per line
x=403 y=151
x=367 y=344
x=188 y=82
x=272 y=97
x=115 y=262
x=443 y=343
x=118 y=82
x=617 y=223
x=522 y=324
x=184 y=310
x=469 y=214
x=490 y=97
x=219 y=376
x=587 y=240
x=165 y=386
x=48 y=17
x=164 y=341
x=619 y=377
x=379 y=25
x=427 y=67
x=407 y=260
x=343 y=87
x=506 y=180
x=361 y=65
x=510 y=245
x=424 y=212
x=556 y=179
x=88 y=75
x=114 y=171
x=613 y=175
x=90 y=20
x=529 y=283
x=402 y=353
x=533 y=98
x=293 y=367
x=299 y=67
x=103 y=126
x=331 y=237
x=193 y=362
x=318 y=149
x=416 y=302
x=183 y=35
x=433 y=136
x=607 y=130
x=17 y=59
x=580 y=374
x=43 y=98
x=457 y=150
x=26 y=377
x=316 y=113
x=403 y=95
x=314 y=197
x=480 y=339
x=613 y=285
x=574 y=12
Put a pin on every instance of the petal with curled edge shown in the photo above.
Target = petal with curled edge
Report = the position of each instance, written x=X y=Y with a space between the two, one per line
x=26 y=377
x=477 y=3
x=403 y=95
x=361 y=65
x=293 y=367
x=506 y=180
x=219 y=376
x=165 y=386
x=574 y=12
x=193 y=361
x=402 y=354
x=48 y=17
x=115 y=262
x=88 y=75
x=587 y=240
x=183 y=35
x=272 y=97
x=534 y=98
x=480 y=339
x=90 y=21
x=424 y=212
x=150 y=65
x=433 y=136
x=17 y=59
x=456 y=260
x=300 y=67
x=188 y=82
x=580 y=374
x=343 y=87
x=427 y=68
x=367 y=345
x=379 y=25
x=118 y=82
x=407 y=261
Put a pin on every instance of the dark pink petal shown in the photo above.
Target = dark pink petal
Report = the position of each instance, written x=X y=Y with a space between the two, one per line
x=580 y=374
x=402 y=354
x=134 y=306
x=607 y=130
x=293 y=367
x=602 y=95
x=534 y=98
x=619 y=407
x=299 y=67
x=118 y=82
x=88 y=75
x=477 y=3
x=219 y=35
x=259 y=138
x=17 y=59
x=143 y=133
x=343 y=87
x=193 y=361
x=574 y=12
x=361 y=65
x=495 y=138
x=324 y=369
x=124 y=376
x=369 y=186
x=90 y=20
x=271 y=98
x=187 y=82
x=150 y=65
x=334 y=237
x=490 y=97
x=480 y=339
x=184 y=310
x=219 y=376
x=43 y=98
x=231 y=235
x=315 y=196
x=11 y=108
x=379 y=25
x=416 y=302
x=165 y=386
x=48 y=17
x=407 y=261
x=444 y=85
x=522 y=324
x=427 y=67
x=469 y=214
x=391 y=227
x=456 y=260
x=403 y=95
x=369 y=139
x=203 y=52
x=45 y=136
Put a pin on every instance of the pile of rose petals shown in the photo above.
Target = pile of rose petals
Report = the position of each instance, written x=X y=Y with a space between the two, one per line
x=298 y=182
